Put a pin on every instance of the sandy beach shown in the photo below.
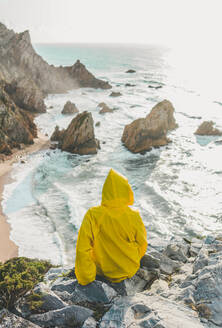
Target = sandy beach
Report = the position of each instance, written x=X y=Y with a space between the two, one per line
x=8 y=249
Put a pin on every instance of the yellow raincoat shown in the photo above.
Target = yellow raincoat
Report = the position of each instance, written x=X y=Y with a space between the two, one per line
x=112 y=237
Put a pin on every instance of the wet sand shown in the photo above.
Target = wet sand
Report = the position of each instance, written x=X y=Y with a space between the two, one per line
x=8 y=249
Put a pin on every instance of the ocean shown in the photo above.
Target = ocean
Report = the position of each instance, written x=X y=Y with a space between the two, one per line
x=177 y=188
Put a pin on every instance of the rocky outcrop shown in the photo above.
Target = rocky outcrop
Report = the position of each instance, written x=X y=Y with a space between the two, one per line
x=26 y=95
x=104 y=108
x=69 y=108
x=179 y=285
x=57 y=134
x=115 y=94
x=10 y=320
x=19 y=61
x=79 y=137
x=16 y=125
x=84 y=78
x=207 y=129
x=144 y=133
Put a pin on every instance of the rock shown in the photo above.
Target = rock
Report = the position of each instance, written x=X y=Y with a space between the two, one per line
x=177 y=252
x=20 y=61
x=64 y=286
x=70 y=316
x=54 y=273
x=50 y=301
x=131 y=71
x=26 y=95
x=115 y=94
x=155 y=87
x=79 y=137
x=97 y=123
x=130 y=85
x=69 y=108
x=147 y=311
x=90 y=323
x=10 y=320
x=16 y=125
x=57 y=134
x=144 y=133
x=84 y=78
x=95 y=292
x=207 y=129
x=104 y=108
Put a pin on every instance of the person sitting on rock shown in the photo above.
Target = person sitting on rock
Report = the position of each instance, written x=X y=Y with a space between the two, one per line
x=112 y=238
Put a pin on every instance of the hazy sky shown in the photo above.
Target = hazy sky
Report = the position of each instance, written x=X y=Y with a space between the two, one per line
x=129 y=21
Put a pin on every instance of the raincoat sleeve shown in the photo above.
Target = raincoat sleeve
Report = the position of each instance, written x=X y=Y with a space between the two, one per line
x=141 y=236
x=85 y=268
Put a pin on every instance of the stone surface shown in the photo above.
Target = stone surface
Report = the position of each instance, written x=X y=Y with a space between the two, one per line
x=79 y=137
x=147 y=311
x=70 y=316
x=90 y=323
x=69 y=108
x=10 y=320
x=144 y=133
x=104 y=108
x=207 y=129
x=115 y=94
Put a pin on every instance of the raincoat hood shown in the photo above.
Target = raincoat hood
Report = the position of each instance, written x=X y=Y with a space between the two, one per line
x=116 y=191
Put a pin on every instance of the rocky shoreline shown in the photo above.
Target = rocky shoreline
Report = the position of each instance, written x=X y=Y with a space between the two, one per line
x=177 y=286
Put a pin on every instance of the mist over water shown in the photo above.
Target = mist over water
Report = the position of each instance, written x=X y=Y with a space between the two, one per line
x=177 y=188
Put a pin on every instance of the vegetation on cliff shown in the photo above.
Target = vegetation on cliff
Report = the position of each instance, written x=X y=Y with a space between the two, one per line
x=17 y=277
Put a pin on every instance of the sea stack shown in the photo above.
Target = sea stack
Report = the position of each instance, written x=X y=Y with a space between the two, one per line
x=207 y=129
x=69 y=108
x=79 y=137
x=144 y=133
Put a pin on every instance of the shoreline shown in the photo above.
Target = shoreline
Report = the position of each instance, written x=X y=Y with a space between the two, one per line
x=8 y=248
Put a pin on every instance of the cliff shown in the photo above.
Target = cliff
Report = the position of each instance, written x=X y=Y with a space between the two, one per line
x=18 y=61
x=16 y=124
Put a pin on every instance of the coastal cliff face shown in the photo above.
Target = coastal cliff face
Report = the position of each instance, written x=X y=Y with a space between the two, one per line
x=16 y=125
x=19 y=61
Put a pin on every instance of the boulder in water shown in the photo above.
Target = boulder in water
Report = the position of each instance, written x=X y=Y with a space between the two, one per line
x=79 y=137
x=115 y=94
x=207 y=129
x=104 y=108
x=69 y=108
x=131 y=71
x=144 y=133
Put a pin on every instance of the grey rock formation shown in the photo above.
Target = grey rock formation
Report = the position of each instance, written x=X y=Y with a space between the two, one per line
x=144 y=133
x=207 y=129
x=10 y=320
x=145 y=311
x=69 y=108
x=70 y=316
x=79 y=137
